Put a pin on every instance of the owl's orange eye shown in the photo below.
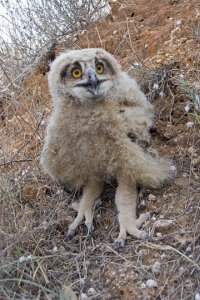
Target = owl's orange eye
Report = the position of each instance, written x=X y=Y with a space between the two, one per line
x=76 y=73
x=99 y=68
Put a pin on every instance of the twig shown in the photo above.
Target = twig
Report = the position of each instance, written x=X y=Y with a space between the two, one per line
x=15 y=161
x=115 y=252
x=170 y=248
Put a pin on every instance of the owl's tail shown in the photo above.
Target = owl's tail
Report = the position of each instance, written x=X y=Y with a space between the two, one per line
x=149 y=169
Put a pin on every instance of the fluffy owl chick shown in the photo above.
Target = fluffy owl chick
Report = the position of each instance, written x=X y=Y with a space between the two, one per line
x=97 y=131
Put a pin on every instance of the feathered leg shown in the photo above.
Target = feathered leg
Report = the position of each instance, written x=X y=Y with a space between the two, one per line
x=91 y=192
x=126 y=199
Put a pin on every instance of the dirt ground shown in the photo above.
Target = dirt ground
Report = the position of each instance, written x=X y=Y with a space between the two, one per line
x=157 y=42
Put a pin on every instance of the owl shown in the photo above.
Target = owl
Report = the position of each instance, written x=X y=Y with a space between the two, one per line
x=99 y=131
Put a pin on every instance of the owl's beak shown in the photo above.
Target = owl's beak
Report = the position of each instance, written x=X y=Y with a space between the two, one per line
x=92 y=83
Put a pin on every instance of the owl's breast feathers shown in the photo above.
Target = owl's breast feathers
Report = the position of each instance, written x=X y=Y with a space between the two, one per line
x=90 y=141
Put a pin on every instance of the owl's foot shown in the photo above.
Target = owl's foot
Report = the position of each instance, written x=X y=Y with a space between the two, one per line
x=85 y=209
x=131 y=226
x=88 y=215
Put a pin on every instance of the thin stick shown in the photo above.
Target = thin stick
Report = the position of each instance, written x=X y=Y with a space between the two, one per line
x=170 y=248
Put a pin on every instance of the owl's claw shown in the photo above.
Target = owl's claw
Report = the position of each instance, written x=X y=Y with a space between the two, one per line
x=150 y=214
x=119 y=243
x=90 y=228
x=70 y=233
x=144 y=235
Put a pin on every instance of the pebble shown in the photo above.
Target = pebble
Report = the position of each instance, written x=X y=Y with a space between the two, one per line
x=172 y=168
x=55 y=249
x=151 y=197
x=143 y=286
x=92 y=291
x=178 y=22
x=190 y=124
x=155 y=86
x=159 y=234
x=163 y=256
x=155 y=268
x=151 y=283
x=187 y=108
x=163 y=223
x=197 y=296
x=84 y=296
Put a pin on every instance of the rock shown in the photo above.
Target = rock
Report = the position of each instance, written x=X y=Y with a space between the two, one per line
x=152 y=197
x=197 y=296
x=163 y=223
x=91 y=291
x=143 y=286
x=151 y=283
x=84 y=296
x=190 y=124
x=163 y=256
x=155 y=268
x=159 y=234
x=55 y=249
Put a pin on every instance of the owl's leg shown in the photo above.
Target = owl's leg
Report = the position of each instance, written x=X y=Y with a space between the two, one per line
x=126 y=199
x=91 y=192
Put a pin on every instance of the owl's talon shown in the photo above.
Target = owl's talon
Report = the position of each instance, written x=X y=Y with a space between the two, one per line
x=90 y=228
x=70 y=233
x=144 y=235
x=150 y=214
x=119 y=242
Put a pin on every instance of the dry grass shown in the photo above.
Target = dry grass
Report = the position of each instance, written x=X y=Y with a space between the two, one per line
x=37 y=260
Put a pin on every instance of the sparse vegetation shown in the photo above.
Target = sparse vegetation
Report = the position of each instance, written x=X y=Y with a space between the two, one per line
x=194 y=99
x=36 y=261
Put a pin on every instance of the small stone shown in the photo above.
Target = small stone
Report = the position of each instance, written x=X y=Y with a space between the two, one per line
x=187 y=108
x=163 y=256
x=84 y=296
x=155 y=86
x=162 y=94
x=92 y=291
x=155 y=268
x=172 y=168
x=55 y=249
x=163 y=223
x=197 y=296
x=190 y=124
x=143 y=286
x=178 y=22
x=151 y=283
x=151 y=197
x=188 y=249
x=43 y=122
x=159 y=234
x=181 y=270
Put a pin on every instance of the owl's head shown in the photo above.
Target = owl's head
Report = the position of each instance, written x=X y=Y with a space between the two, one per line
x=86 y=74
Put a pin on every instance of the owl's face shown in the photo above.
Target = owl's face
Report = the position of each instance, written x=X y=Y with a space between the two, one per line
x=85 y=74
